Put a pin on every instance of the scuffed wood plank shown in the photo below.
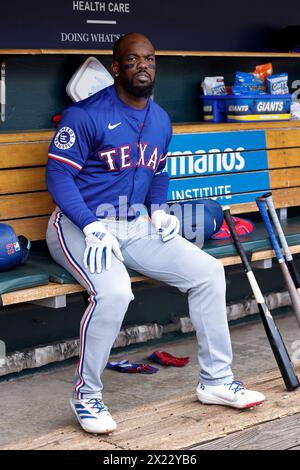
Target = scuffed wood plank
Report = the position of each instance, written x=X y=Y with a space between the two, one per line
x=282 y=138
x=12 y=51
x=286 y=197
x=26 y=205
x=49 y=290
x=33 y=228
x=289 y=126
x=30 y=136
x=280 y=434
x=22 y=180
x=72 y=438
x=275 y=127
x=23 y=154
x=178 y=423
x=40 y=292
x=285 y=178
x=257 y=256
x=284 y=158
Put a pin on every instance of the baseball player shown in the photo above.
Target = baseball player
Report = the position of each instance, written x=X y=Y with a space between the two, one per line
x=107 y=174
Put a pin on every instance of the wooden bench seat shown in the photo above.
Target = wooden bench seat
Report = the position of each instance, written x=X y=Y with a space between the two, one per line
x=61 y=283
x=267 y=158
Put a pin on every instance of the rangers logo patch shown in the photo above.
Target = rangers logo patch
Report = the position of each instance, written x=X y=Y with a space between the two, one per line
x=65 y=138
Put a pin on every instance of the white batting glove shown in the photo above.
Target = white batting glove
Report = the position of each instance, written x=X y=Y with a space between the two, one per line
x=165 y=224
x=99 y=245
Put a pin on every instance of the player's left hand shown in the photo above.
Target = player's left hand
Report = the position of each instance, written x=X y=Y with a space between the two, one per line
x=165 y=224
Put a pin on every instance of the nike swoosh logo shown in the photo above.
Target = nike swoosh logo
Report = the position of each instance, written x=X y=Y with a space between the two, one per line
x=113 y=126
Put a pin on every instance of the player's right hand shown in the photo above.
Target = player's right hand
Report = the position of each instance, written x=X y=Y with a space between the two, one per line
x=166 y=225
x=99 y=245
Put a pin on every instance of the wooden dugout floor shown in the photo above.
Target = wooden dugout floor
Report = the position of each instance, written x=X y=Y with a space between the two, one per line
x=183 y=423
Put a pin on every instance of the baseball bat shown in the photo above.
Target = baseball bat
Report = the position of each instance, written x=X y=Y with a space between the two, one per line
x=288 y=255
x=276 y=342
x=261 y=203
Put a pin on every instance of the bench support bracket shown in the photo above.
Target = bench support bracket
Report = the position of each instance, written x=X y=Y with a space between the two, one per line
x=59 y=301
x=282 y=214
x=263 y=264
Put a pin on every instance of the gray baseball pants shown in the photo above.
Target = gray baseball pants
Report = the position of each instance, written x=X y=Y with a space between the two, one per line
x=177 y=262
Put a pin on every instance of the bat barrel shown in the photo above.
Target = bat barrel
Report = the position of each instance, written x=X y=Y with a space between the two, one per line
x=269 y=200
x=261 y=203
x=295 y=298
x=288 y=255
x=276 y=342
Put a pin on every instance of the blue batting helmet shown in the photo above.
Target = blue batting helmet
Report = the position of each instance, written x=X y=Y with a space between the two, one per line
x=210 y=222
x=13 y=250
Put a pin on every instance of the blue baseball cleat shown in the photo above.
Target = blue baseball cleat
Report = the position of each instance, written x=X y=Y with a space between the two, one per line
x=93 y=415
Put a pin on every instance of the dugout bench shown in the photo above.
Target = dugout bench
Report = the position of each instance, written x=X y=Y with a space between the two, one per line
x=232 y=162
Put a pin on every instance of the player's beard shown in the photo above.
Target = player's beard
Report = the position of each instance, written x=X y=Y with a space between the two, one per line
x=139 y=91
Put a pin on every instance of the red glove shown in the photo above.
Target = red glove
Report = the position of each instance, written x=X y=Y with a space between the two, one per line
x=166 y=359
x=242 y=226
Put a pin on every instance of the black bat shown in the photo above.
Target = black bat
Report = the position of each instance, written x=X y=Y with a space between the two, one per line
x=276 y=342
x=261 y=203
x=288 y=255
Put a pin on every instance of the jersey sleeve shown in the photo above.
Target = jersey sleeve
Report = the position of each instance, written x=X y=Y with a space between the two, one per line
x=67 y=154
x=160 y=182
x=73 y=140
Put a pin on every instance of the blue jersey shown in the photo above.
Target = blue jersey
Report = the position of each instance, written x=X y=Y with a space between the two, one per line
x=104 y=149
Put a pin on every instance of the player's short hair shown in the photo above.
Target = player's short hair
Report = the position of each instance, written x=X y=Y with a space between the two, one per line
x=118 y=44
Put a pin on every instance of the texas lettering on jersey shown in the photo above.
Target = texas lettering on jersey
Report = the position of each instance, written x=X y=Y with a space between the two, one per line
x=122 y=158
x=105 y=149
